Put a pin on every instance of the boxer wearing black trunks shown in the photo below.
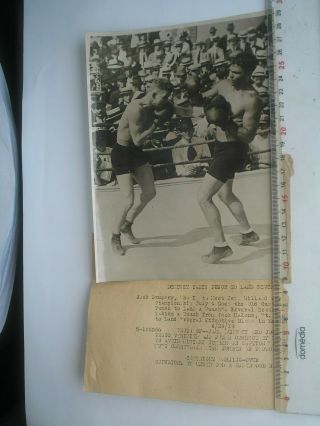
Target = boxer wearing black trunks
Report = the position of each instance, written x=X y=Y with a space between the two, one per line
x=234 y=107
x=137 y=123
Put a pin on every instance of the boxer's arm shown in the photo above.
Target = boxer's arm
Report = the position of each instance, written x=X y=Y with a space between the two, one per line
x=137 y=134
x=250 y=121
x=211 y=92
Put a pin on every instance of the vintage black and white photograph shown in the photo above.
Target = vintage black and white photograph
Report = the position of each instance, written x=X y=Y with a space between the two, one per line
x=180 y=156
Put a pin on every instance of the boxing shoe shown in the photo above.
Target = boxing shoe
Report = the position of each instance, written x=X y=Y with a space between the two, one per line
x=116 y=245
x=127 y=231
x=248 y=238
x=217 y=254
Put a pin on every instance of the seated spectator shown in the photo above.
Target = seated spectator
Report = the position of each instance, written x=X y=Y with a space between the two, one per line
x=258 y=77
x=212 y=32
x=186 y=43
x=261 y=142
x=182 y=152
x=215 y=53
x=98 y=113
x=194 y=69
x=168 y=58
x=143 y=56
x=230 y=34
x=221 y=70
x=234 y=46
x=157 y=55
x=122 y=52
x=177 y=53
x=104 y=139
x=125 y=96
x=199 y=53
x=252 y=39
x=261 y=55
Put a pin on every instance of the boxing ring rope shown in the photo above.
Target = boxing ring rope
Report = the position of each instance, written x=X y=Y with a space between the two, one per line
x=181 y=163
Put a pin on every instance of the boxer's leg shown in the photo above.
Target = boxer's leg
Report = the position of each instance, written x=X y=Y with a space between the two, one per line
x=210 y=186
x=236 y=208
x=126 y=201
x=144 y=177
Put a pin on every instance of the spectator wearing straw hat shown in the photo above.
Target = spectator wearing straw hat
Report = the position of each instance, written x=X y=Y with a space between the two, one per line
x=261 y=55
x=212 y=34
x=252 y=39
x=168 y=58
x=177 y=52
x=156 y=57
x=258 y=77
x=199 y=53
x=233 y=46
x=230 y=34
x=122 y=52
x=186 y=43
x=215 y=53
x=243 y=42
x=143 y=57
x=261 y=142
x=180 y=74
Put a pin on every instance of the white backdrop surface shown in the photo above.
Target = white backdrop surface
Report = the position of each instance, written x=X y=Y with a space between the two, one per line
x=58 y=215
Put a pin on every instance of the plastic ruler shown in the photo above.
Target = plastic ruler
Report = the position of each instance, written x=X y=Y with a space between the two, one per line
x=280 y=174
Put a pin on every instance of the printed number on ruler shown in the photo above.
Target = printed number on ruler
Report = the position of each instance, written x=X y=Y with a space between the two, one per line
x=281 y=65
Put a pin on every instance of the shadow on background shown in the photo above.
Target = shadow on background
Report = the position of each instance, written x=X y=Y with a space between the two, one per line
x=12 y=407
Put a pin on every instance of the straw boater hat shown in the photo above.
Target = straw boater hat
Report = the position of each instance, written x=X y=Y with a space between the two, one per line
x=122 y=77
x=181 y=71
x=125 y=91
x=155 y=65
x=165 y=70
x=261 y=54
x=142 y=44
x=264 y=119
x=204 y=62
x=194 y=67
x=259 y=72
x=149 y=79
x=142 y=73
x=182 y=102
x=186 y=61
x=157 y=42
x=113 y=115
x=167 y=43
x=252 y=33
x=220 y=63
x=251 y=30
x=233 y=37
x=148 y=65
x=113 y=64
x=243 y=34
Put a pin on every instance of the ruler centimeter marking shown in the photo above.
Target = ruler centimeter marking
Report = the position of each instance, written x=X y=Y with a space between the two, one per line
x=280 y=200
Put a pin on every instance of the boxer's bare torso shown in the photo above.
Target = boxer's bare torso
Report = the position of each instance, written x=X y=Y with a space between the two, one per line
x=245 y=106
x=136 y=119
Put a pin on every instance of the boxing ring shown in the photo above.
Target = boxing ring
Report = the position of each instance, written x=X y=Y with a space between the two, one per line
x=174 y=233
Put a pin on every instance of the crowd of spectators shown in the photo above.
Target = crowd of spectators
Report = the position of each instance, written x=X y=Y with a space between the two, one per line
x=121 y=68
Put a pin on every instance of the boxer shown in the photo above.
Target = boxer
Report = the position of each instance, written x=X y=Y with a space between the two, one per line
x=234 y=107
x=138 y=122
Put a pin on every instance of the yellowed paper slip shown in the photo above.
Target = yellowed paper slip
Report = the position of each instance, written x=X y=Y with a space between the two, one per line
x=205 y=342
